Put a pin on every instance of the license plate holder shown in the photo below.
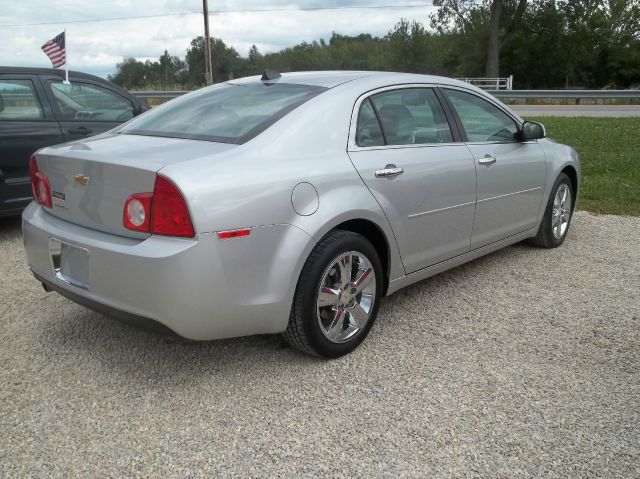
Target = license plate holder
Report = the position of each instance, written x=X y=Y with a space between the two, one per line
x=70 y=262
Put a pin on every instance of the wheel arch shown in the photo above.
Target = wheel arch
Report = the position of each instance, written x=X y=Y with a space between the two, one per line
x=374 y=234
x=571 y=172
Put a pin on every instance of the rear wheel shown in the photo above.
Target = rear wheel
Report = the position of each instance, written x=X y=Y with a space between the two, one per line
x=337 y=297
x=557 y=216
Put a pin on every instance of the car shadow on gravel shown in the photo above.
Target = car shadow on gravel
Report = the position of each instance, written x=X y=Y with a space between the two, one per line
x=108 y=344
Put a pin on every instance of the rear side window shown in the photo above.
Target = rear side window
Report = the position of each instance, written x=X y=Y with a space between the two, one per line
x=18 y=101
x=87 y=102
x=227 y=113
x=412 y=116
x=481 y=120
x=368 y=132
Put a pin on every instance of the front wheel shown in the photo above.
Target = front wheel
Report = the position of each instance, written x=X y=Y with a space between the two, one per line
x=337 y=297
x=557 y=216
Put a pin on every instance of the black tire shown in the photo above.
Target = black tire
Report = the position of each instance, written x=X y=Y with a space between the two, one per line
x=304 y=331
x=545 y=237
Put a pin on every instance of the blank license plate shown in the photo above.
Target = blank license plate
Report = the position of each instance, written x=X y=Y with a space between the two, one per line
x=70 y=263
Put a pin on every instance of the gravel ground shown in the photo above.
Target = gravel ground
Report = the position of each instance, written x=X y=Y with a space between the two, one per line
x=522 y=363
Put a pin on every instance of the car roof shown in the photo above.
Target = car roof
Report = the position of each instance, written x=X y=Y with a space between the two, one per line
x=60 y=73
x=330 y=79
x=46 y=71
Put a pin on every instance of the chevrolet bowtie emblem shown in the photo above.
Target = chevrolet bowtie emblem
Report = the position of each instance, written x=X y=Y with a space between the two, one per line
x=81 y=179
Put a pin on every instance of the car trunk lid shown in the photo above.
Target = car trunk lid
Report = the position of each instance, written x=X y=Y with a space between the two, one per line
x=92 y=179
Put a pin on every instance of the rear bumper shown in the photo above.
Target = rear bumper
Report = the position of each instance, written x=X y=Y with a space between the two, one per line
x=130 y=318
x=200 y=288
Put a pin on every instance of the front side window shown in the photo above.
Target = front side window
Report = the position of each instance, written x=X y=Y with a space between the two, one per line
x=18 y=101
x=86 y=102
x=412 y=116
x=481 y=120
x=225 y=113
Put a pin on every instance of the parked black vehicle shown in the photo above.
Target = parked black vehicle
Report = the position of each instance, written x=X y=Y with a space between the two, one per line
x=38 y=109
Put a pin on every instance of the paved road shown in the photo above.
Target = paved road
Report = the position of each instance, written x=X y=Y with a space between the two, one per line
x=522 y=364
x=578 y=110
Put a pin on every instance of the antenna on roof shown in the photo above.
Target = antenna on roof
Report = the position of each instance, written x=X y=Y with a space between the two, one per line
x=268 y=75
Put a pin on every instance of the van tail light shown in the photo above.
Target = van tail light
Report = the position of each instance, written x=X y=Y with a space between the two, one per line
x=40 y=187
x=163 y=212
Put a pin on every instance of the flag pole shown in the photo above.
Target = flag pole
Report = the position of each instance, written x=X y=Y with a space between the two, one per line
x=66 y=59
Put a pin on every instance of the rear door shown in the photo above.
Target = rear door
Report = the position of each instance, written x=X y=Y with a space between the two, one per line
x=423 y=179
x=26 y=125
x=511 y=173
x=85 y=108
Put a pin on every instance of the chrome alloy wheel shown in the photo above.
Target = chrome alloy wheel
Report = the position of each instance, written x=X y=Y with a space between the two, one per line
x=561 y=211
x=346 y=296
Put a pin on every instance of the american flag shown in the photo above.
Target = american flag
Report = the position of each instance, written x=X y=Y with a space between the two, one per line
x=56 y=51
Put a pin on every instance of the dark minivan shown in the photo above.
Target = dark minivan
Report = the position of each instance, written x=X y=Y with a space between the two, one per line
x=38 y=109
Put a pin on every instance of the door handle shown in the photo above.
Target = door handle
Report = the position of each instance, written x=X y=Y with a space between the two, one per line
x=80 y=131
x=487 y=160
x=389 y=171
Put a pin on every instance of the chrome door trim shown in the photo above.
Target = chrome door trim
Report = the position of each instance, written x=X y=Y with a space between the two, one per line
x=487 y=160
x=491 y=100
x=351 y=141
x=510 y=194
x=409 y=145
x=430 y=212
x=389 y=171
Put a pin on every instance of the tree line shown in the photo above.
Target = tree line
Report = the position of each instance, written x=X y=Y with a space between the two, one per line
x=542 y=43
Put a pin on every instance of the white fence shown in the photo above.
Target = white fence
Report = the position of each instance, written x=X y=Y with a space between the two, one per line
x=492 y=84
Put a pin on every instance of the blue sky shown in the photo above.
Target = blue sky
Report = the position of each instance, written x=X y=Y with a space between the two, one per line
x=96 y=47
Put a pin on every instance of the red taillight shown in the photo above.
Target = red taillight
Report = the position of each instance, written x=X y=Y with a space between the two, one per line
x=163 y=212
x=40 y=187
x=137 y=212
x=169 y=214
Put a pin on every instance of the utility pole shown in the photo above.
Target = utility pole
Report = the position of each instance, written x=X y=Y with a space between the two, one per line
x=166 y=64
x=208 y=75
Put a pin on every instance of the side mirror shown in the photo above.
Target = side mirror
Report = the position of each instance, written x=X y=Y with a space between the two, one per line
x=532 y=130
x=141 y=109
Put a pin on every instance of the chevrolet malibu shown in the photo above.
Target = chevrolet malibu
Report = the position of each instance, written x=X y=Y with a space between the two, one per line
x=291 y=203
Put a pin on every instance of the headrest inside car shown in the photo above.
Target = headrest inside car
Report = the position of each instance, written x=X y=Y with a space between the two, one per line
x=413 y=99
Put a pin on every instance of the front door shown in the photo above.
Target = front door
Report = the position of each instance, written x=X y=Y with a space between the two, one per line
x=404 y=150
x=511 y=173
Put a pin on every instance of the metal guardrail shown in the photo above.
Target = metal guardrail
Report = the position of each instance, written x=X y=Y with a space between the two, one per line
x=567 y=94
x=515 y=94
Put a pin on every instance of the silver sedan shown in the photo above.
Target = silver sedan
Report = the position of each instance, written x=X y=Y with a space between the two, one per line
x=291 y=203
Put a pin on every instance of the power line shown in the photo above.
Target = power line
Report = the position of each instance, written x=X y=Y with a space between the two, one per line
x=199 y=12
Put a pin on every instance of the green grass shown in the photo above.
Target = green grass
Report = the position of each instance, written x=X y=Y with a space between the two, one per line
x=609 y=151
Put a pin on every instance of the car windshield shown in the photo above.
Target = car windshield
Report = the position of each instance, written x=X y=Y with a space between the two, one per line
x=227 y=113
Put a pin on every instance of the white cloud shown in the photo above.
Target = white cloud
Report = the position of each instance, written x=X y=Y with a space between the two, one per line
x=96 y=47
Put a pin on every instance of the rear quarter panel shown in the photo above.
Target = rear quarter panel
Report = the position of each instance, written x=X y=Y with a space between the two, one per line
x=252 y=184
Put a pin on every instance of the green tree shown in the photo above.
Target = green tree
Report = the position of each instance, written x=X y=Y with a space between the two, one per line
x=226 y=62
x=130 y=73
x=489 y=22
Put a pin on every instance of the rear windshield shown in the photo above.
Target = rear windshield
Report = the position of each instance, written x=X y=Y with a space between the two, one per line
x=226 y=113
